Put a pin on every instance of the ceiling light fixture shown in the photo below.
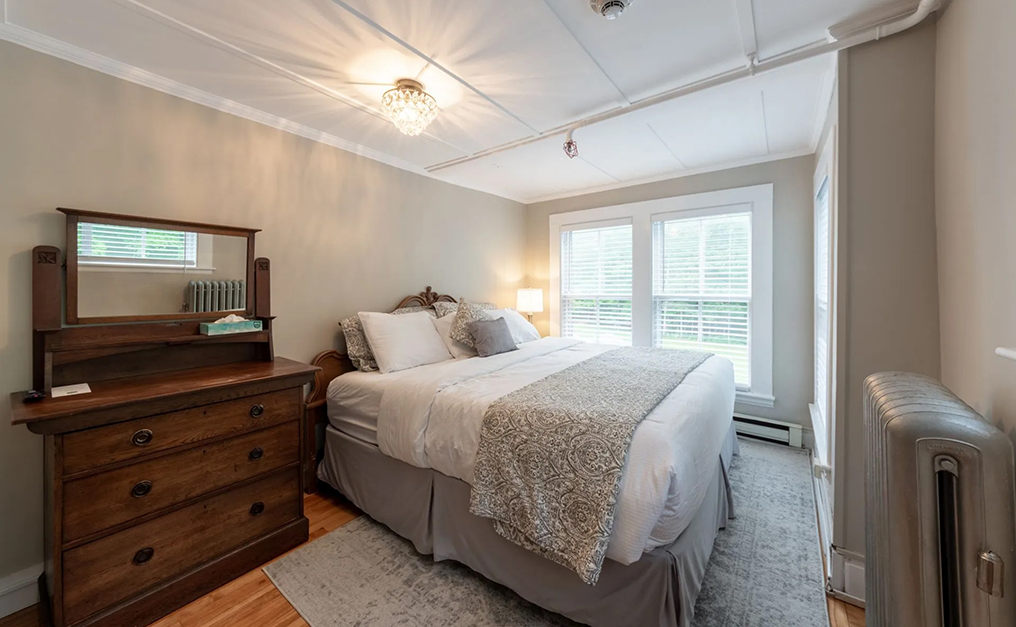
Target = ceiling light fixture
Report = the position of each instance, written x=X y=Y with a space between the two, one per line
x=409 y=108
x=571 y=147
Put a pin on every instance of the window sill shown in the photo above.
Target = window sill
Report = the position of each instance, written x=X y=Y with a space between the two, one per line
x=142 y=267
x=756 y=400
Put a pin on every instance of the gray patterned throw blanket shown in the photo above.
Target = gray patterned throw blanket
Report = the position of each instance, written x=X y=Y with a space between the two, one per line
x=548 y=467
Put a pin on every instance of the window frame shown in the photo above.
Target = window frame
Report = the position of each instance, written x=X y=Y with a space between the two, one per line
x=740 y=209
x=590 y=226
x=757 y=199
x=824 y=422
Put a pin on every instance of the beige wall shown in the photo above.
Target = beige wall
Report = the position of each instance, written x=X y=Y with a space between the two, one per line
x=793 y=343
x=887 y=201
x=975 y=174
x=344 y=233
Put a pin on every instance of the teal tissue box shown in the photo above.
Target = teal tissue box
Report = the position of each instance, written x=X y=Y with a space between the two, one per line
x=225 y=328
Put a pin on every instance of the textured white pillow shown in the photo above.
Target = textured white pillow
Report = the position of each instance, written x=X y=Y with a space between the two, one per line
x=403 y=342
x=522 y=330
x=455 y=347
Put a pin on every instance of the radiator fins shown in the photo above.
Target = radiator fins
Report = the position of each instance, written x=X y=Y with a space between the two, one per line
x=940 y=509
x=208 y=296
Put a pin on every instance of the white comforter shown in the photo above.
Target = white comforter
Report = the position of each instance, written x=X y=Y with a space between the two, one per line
x=430 y=417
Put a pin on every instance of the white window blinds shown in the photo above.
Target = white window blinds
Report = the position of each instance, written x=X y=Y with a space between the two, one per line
x=702 y=287
x=596 y=284
x=822 y=283
x=111 y=243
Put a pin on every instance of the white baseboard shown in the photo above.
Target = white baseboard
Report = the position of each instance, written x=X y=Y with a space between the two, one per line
x=847 y=580
x=788 y=433
x=19 y=590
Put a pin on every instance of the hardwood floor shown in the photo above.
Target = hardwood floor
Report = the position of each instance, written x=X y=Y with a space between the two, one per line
x=844 y=614
x=253 y=600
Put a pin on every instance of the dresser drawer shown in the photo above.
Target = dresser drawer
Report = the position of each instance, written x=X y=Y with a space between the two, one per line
x=106 y=499
x=84 y=450
x=109 y=570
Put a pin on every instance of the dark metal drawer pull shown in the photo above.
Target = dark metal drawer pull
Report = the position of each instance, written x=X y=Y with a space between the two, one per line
x=257 y=410
x=257 y=509
x=256 y=454
x=142 y=437
x=143 y=556
x=141 y=489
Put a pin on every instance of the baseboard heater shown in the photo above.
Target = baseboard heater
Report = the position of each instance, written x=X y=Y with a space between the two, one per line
x=940 y=509
x=768 y=430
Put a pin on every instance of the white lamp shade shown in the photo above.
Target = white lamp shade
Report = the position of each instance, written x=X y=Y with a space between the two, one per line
x=530 y=300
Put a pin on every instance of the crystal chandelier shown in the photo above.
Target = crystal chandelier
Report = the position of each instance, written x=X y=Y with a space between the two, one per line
x=409 y=107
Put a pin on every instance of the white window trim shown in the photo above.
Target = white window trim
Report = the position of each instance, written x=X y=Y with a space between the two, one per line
x=824 y=425
x=758 y=199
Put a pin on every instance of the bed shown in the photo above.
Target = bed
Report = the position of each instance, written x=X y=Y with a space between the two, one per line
x=402 y=447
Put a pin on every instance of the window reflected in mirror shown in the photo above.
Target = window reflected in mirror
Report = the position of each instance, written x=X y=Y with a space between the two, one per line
x=143 y=271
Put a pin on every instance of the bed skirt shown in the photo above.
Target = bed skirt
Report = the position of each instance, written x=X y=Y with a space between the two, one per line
x=432 y=511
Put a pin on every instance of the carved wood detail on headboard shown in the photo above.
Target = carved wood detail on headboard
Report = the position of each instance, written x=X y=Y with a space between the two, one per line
x=332 y=364
x=425 y=298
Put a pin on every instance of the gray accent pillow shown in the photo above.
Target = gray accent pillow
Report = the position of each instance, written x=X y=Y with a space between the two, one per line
x=357 y=347
x=492 y=337
x=443 y=308
x=467 y=314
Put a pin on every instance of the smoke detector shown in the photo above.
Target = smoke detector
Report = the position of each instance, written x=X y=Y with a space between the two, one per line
x=609 y=9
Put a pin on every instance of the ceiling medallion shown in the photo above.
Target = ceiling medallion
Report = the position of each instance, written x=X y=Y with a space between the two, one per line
x=409 y=108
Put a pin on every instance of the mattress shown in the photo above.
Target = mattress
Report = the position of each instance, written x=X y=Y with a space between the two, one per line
x=430 y=417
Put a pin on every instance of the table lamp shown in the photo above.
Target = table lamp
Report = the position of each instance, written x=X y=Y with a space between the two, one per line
x=530 y=301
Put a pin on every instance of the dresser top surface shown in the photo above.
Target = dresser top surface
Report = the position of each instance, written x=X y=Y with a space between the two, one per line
x=118 y=392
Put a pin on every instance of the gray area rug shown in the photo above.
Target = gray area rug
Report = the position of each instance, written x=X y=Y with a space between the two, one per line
x=766 y=569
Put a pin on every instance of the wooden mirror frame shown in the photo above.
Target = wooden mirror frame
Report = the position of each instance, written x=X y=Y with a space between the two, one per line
x=75 y=216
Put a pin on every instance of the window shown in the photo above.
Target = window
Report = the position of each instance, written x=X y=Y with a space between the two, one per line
x=596 y=284
x=111 y=244
x=702 y=287
x=822 y=282
x=690 y=272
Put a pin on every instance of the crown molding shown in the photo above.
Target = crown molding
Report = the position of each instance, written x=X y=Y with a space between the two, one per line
x=678 y=174
x=79 y=56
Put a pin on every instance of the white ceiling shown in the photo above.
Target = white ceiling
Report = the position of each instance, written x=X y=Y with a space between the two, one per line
x=500 y=70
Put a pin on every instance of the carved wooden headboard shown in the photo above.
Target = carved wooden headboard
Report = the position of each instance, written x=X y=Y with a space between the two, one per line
x=332 y=364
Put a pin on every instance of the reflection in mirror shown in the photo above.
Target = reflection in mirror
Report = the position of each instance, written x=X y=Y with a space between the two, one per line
x=141 y=271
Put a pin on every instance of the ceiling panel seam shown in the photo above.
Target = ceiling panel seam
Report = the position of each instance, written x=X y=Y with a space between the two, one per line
x=602 y=171
x=765 y=120
x=667 y=146
x=405 y=44
x=610 y=80
x=746 y=24
x=193 y=31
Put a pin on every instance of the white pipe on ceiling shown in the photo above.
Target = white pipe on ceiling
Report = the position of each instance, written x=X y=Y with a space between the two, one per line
x=754 y=68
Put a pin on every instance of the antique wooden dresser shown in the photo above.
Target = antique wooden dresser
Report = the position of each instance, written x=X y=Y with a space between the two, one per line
x=181 y=468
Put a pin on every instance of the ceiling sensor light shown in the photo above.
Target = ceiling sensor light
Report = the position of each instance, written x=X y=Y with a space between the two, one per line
x=610 y=9
x=409 y=108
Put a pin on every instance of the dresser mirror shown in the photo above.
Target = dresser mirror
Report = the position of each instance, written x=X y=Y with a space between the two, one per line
x=124 y=269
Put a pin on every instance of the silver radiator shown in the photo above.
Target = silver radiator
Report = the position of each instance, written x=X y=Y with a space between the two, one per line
x=205 y=296
x=941 y=519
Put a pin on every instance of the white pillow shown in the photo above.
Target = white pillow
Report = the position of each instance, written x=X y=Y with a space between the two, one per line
x=522 y=330
x=455 y=347
x=403 y=342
